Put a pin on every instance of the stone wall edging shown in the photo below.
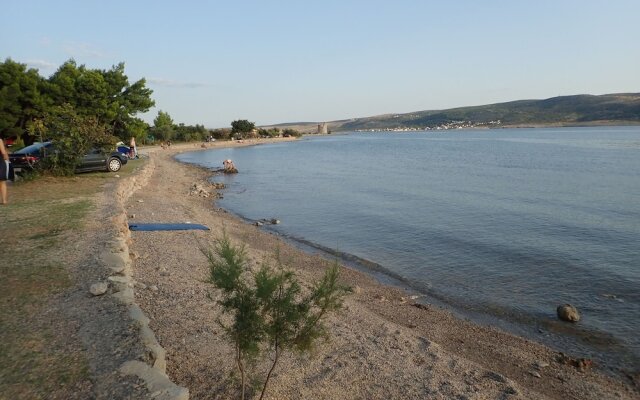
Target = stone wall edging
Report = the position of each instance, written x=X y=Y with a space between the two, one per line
x=118 y=259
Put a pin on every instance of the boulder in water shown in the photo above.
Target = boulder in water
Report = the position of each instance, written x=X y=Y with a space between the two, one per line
x=567 y=312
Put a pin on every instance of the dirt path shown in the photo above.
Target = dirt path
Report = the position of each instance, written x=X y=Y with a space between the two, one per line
x=382 y=344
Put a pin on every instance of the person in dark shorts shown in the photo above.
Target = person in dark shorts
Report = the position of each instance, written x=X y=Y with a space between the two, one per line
x=5 y=172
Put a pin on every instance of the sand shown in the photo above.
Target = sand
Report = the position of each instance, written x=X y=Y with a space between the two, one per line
x=384 y=344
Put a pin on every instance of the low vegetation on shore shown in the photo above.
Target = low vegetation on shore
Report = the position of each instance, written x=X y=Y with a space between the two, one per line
x=269 y=310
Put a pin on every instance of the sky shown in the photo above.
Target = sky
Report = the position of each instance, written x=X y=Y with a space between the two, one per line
x=212 y=62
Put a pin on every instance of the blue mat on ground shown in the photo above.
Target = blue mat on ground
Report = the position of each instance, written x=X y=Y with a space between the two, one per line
x=167 y=227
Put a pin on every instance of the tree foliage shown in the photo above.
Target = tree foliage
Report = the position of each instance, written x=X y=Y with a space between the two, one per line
x=187 y=133
x=221 y=134
x=73 y=136
x=291 y=132
x=21 y=97
x=105 y=96
x=270 y=311
x=269 y=133
x=163 y=127
x=242 y=127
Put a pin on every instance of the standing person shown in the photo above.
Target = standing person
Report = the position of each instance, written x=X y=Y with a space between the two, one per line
x=134 y=149
x=4 y=173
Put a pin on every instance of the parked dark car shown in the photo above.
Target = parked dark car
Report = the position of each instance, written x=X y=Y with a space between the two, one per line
x=96 y=160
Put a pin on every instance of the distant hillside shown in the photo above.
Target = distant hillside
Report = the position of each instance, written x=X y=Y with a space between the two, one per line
x=609 y=109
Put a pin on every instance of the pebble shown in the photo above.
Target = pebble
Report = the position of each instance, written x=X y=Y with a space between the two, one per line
x=495 y=376
x=117 y=269
x=153 y=288
x=140 y=201
x=98 y=289
x=540 y=364
x=536 y=374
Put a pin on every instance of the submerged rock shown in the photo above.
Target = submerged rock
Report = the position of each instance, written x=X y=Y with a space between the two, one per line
x=272 y=221
x=581 y=364
x=567 y=312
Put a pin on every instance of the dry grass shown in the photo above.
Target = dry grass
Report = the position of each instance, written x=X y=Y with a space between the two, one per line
x=36 y=231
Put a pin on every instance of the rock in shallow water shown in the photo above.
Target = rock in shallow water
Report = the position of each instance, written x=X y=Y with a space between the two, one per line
x=567 y=312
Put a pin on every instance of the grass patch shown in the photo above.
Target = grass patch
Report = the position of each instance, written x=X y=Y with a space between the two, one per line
x=41 y=215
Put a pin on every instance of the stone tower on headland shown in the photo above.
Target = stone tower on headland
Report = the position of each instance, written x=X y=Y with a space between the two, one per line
x=322 y=128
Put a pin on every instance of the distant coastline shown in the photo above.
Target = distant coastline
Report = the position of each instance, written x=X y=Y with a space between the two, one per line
x=564 y=111
x=524 y=126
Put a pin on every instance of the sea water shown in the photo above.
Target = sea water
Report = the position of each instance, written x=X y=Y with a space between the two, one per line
x=505 y=224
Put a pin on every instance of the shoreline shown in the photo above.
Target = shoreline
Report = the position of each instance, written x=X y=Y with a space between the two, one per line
x=612 y=352
x=547 y=330
x=478 y=351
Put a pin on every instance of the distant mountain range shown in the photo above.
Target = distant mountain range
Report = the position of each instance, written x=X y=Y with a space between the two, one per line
x=579 y=110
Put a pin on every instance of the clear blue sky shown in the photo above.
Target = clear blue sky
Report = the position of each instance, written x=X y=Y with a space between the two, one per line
x=210 y=62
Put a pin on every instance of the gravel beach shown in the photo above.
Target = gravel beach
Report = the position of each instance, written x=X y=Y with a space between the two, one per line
x=383 y=344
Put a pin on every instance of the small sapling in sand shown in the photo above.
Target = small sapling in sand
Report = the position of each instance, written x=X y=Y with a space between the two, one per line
x=271 y=313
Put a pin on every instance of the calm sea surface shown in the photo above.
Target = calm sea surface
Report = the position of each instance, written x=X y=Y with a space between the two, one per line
x=505 y=224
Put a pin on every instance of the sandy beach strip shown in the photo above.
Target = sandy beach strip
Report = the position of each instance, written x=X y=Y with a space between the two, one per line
x=383 y=344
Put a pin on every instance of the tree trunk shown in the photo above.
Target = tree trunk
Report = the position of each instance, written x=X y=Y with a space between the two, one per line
x=240 y=367
x=273 y=366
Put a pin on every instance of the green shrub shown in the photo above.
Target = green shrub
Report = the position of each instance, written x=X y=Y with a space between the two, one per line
x=270 y=311
x=291 y=132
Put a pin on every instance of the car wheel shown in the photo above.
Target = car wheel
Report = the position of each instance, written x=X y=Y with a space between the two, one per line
x=114 y=165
